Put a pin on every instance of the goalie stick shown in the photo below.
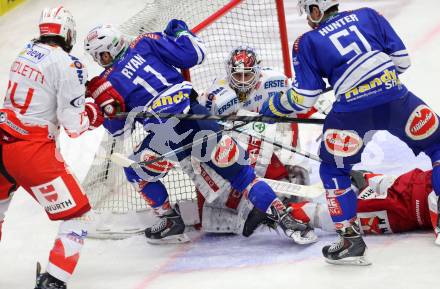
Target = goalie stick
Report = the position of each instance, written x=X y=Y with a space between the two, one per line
x=280 y=187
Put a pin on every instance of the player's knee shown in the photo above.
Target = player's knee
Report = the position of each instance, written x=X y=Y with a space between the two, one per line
x=333 y=177
x=261 y=195
x=155 y=194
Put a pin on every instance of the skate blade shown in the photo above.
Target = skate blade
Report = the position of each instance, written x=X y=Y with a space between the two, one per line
x=356 y=261
x=175 y=239
x=437 y=240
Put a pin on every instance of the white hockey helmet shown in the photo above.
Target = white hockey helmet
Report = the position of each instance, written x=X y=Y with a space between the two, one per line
x=58 y=22
x=104 y=38
x=323 y=5
x=242 y=68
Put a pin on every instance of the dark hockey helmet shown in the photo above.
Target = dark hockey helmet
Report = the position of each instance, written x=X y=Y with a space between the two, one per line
x=242 y=69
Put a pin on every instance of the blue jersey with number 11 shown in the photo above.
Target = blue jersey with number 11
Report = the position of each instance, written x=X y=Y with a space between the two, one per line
x=146 y=76
x=360 y=55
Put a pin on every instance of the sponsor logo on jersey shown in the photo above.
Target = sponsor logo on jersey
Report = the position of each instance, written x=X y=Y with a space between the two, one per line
x=274 y=83
x=78 y=66
x=226 y=153
x=374 y=222
x=34 y=53
x=211 y=97
x=334 y=207
x=258 y=97
x=54 y=196
x=169 y=100
x=78 y=101
x=388 y=79
x=422 y=123
x=142 y=36
x=259 y=126
x=228 y=105
x=342 y=143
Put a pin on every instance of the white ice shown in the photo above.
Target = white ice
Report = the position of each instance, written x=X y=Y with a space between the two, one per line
x=266 y=260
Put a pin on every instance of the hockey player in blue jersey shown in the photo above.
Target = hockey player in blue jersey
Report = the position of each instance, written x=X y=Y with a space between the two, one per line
x=361 y=56
x=142 y=76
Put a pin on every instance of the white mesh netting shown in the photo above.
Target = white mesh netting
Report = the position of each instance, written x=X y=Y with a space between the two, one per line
x=253 y=23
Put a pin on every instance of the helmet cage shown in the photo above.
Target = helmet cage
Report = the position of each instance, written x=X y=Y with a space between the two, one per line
x=243 y=69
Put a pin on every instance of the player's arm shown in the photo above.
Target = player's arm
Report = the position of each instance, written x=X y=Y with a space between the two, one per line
x=179 y=47
x=307 y=87
x=393 y=45
x=73 y=113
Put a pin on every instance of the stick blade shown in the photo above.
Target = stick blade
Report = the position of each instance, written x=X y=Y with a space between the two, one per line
x=121 y=160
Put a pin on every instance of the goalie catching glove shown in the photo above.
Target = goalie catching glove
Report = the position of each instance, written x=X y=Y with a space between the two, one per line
x=105 y=96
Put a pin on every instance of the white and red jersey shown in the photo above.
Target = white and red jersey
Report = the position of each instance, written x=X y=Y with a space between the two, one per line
x=388 y=205
x=45 y=91
x=221 y=99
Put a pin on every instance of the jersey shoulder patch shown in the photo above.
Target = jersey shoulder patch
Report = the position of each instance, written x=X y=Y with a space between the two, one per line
x=149 y=35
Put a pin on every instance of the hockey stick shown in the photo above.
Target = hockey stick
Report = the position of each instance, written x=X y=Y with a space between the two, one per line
x=288 y=189
x=292 y=149
x=230 y=117
x=126 y=162
x=280 y=187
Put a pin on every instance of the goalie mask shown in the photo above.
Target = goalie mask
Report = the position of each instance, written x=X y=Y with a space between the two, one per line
x=323 y=5
x=105 y=38
x=242 y=69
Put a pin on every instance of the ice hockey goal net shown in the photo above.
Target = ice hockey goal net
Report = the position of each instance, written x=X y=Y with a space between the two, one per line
x=223 y=25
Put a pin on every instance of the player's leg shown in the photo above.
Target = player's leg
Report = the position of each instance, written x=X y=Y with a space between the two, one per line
x=228 y=161
x=417 y=124
x=341 y=148
x=56 y=189
x=8 y=185
x=170 y=227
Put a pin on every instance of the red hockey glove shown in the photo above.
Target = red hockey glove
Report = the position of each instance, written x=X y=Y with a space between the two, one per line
x=95 y=115
x=104 y=94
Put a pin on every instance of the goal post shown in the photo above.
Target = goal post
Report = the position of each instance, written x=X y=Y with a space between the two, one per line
x=223 y=25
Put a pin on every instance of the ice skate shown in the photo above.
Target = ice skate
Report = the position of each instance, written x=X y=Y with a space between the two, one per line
x=169 y=229
x=350 y=249
x=47 y=281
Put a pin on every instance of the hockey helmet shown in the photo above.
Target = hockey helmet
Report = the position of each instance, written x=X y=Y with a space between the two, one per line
x=242 y=68
x=323 y=5
x=105 y=38
x=58 y=22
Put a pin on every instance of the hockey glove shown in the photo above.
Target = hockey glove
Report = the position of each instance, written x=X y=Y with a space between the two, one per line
x=95 y=115
x=105 y=96
x=175 y=28
x=272 y=107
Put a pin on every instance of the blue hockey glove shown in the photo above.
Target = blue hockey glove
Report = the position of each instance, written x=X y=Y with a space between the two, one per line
x=272 y=107
x=176 y=27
